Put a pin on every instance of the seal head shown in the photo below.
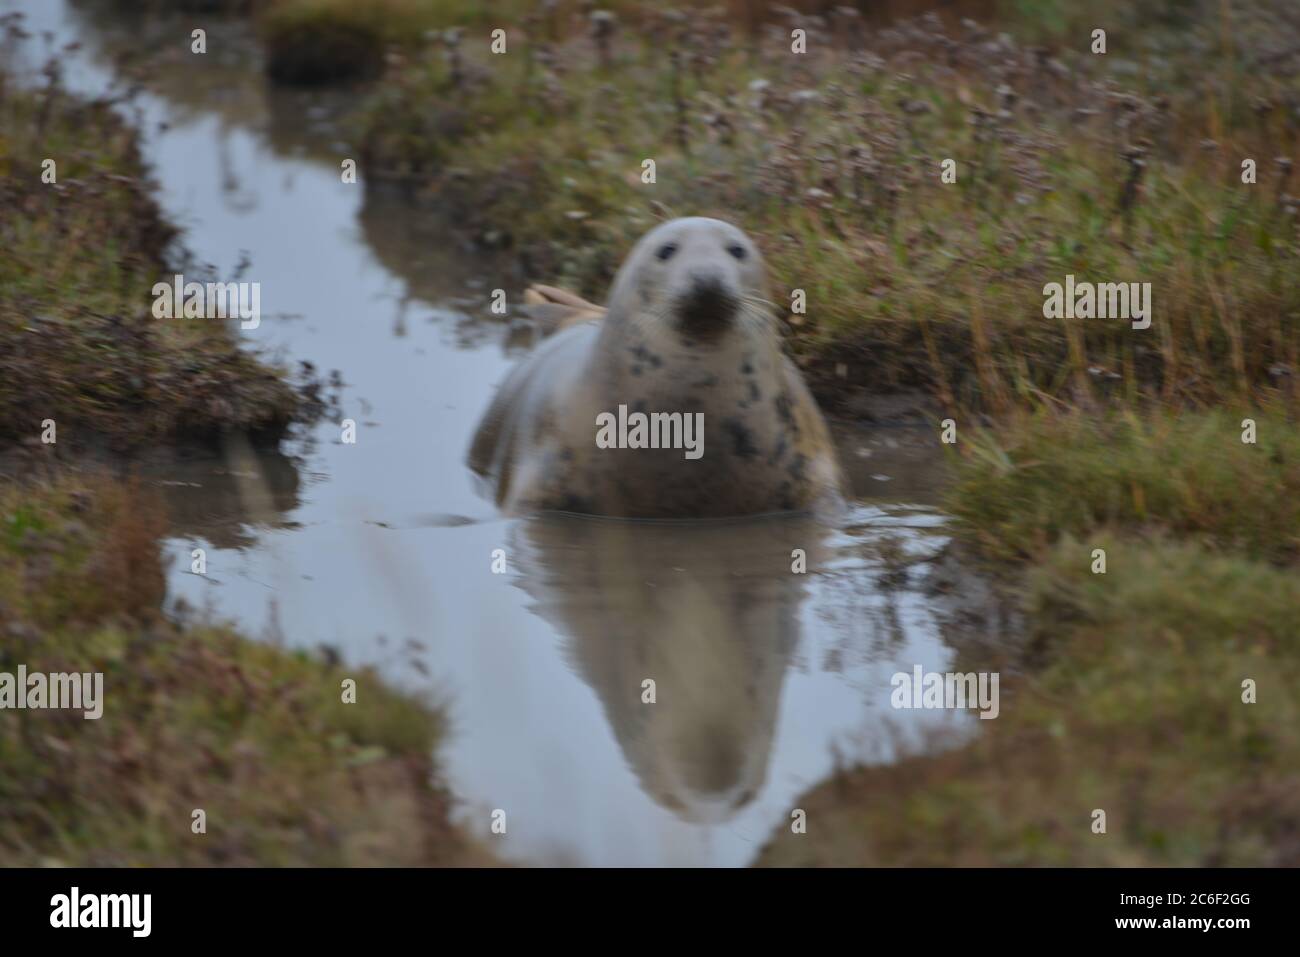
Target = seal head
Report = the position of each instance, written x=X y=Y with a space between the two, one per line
x=694 y=274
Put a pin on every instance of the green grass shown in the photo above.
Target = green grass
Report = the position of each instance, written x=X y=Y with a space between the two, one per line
x=194 y=716
x=911 y=283
x=78 y=341
x=1189 y=474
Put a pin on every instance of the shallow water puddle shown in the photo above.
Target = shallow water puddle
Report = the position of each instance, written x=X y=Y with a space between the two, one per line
x=384 y=550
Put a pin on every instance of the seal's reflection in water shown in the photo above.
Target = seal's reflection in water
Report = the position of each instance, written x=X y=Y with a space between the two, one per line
x=708 y=611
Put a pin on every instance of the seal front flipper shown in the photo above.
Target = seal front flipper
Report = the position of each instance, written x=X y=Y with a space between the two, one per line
x=538 y=293
x=556 y=309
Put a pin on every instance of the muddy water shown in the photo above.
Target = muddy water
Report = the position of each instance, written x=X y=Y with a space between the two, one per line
x=383 y=550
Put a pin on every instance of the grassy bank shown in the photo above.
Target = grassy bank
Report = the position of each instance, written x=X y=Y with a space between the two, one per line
x=194 y=717
x=78 y=341
x=1128 y=695
x=333 y=40
x=833 y=159
x=1031 y=482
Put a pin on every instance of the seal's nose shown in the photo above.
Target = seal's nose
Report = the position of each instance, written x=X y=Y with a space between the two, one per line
x=709 y=301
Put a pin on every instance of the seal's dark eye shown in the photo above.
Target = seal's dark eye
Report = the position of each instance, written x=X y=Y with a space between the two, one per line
x=666 y=252
x=736 y=250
